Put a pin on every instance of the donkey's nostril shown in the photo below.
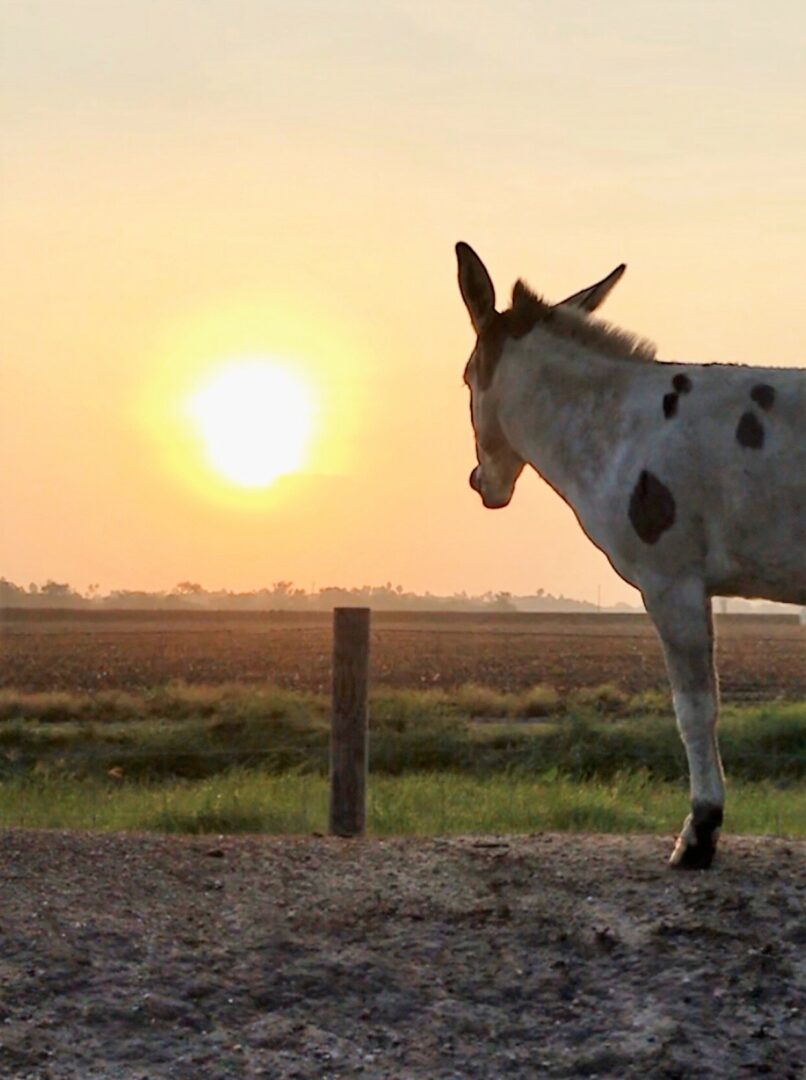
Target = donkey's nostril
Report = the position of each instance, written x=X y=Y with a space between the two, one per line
x=474 y=479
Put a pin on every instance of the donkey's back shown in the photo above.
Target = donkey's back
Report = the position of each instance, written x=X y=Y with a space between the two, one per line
x=727 y=443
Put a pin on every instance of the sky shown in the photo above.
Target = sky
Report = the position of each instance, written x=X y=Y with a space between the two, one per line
x=190 y=183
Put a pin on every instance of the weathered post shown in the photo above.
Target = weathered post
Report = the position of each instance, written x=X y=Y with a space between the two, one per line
x=348 y=732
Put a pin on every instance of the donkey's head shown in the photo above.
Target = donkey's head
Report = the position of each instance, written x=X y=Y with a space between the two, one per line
x=499 y=466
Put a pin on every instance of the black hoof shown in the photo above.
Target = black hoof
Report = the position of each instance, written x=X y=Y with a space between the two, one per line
x=699 y=851
x=697 y=857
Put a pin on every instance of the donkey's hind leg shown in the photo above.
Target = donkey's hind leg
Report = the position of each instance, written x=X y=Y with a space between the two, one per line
x=682 y=616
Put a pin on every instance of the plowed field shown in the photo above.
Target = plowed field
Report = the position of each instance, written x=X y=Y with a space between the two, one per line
x=760 y=657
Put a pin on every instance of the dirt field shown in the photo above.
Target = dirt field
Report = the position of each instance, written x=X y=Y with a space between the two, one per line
x=558 y=956
x=759 y=657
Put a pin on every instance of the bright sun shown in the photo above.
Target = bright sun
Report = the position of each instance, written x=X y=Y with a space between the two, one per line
x=255 y=418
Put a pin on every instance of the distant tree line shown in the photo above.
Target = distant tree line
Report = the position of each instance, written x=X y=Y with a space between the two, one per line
x=285 y=596
x=280 y=596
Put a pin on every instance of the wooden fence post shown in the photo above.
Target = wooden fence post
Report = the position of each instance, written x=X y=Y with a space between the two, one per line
x=348 y=732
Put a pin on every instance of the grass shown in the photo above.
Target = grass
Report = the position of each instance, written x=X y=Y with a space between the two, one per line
x=178 y=701
x=245 y=758
x=198 y=736
x=250 y=801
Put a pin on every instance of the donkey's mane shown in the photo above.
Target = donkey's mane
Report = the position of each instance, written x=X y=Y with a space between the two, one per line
x=528 y=309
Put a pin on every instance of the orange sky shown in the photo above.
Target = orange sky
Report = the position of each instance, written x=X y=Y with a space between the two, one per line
x=185 y=182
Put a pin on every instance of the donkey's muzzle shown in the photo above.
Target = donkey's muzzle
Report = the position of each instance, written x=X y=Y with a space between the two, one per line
x=474 y=480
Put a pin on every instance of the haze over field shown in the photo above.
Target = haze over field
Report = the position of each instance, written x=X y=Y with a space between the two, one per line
x=269 y=194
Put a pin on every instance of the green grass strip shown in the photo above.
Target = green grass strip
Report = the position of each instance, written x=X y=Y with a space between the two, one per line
x=421 y=804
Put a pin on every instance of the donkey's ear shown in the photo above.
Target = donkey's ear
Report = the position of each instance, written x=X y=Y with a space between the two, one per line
x=589 y=299
x=475 y=286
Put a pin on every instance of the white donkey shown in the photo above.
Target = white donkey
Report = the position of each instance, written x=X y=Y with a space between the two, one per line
x=690 y=478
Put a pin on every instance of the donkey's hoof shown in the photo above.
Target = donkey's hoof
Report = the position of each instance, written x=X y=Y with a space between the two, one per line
x=692 y=856
x=696 y=845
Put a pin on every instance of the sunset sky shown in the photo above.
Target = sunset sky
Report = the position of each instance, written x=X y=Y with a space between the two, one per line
x=188 y=184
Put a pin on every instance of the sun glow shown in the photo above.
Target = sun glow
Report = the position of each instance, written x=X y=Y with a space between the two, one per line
x=255 y=419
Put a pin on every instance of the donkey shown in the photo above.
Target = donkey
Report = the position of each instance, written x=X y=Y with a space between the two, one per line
x=690 y=478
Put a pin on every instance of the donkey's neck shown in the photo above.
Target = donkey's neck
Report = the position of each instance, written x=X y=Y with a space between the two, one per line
x=562 y=408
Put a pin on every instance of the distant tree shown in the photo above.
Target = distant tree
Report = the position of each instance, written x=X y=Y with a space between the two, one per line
x=282 y=588
x=502 y=601
x=188 y=588
x=59 y=594
x=56 y=590
x=11 y=594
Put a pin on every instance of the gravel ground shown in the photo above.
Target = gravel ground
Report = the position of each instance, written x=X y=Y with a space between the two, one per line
x=545 y=956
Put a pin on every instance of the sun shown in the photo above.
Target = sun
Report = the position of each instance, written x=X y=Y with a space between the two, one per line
x=255 y=418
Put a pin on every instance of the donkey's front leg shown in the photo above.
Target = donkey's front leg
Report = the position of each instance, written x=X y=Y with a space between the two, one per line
x=683 y=619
